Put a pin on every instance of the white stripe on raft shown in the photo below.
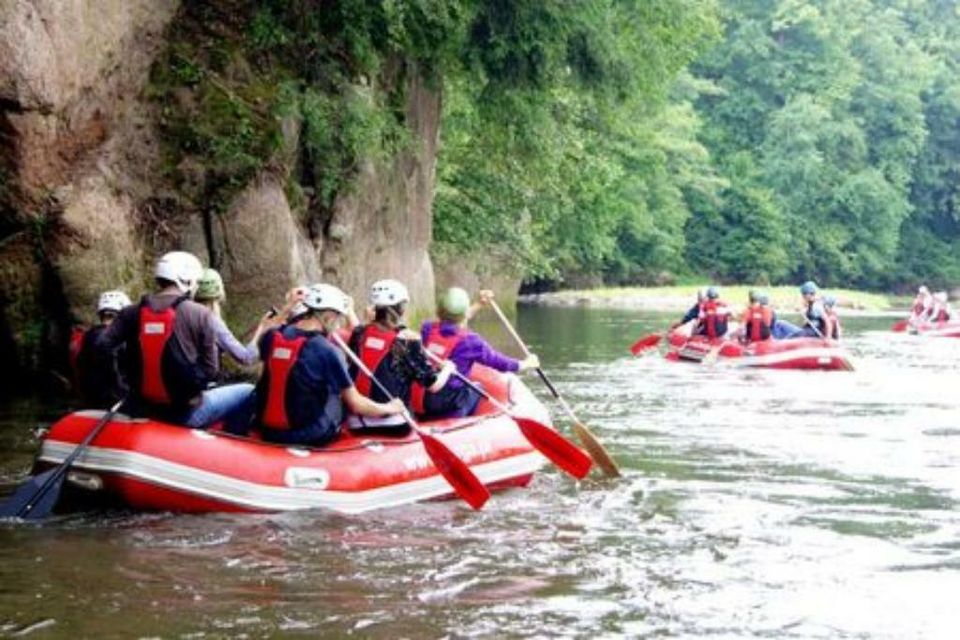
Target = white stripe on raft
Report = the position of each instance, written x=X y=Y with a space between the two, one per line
x=812 y=353
x=260 y=497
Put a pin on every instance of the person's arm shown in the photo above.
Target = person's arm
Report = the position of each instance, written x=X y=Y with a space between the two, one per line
x=355 y=401
x=207 y=355
x=228 y=342
x=692 y=314
x=361 y=405
x=490 y=357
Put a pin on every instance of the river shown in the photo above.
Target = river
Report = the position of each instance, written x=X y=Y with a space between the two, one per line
x=770 y=504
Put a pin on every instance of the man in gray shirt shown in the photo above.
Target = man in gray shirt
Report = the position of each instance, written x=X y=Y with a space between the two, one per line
x=173 y=353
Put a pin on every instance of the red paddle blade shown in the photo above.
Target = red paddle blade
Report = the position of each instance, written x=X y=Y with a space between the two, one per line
x=555 y=447
x=900 y=325
x=645 y=343
x=464 y=482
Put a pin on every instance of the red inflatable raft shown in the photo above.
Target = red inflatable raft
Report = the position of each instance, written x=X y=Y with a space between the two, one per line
x=929 y=329
x=794 y=353
x=150 y=465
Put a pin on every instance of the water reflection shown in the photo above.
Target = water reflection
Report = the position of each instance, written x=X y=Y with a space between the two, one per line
x=759 y=503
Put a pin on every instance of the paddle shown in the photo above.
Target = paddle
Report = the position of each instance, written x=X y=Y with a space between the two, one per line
x=646 y=342
x=464 y=482
x=711 y=357
x=547 y=441
x=587 y=439
x=35 y=498
x=847 y=365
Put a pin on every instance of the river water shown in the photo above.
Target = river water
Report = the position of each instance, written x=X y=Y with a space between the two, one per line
x=769 y=504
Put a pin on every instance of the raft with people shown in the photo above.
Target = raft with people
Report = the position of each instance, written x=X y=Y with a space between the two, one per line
x=146 y=464
x=931 y=316
x=705 y=334
x=797 y=353
x=330 y=422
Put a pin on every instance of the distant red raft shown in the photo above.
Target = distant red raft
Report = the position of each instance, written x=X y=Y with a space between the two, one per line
x=794 y=353
x=929 y=329
x=149 y=465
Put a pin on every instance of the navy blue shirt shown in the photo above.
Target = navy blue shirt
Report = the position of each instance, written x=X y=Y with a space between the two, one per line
x=312 y=399
x=692 y=314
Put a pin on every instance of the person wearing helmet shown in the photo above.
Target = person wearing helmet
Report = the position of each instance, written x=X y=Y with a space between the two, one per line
x=757 y=319
x=922 y=304
x=97 y=371
x=940 y=310
x=393 y=353
x=830 y=308
x=694 y=312
x=816 y=320
x=172 y=352
x=305 y=385
x=449 y=339
x=713 y=317
x=210 y=293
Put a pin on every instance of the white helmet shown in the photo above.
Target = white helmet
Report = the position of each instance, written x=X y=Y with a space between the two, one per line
x=181 y=268
x=326 y=296
x=112 y=301
x=940 y=296
x=386 y=293
x=923 y=290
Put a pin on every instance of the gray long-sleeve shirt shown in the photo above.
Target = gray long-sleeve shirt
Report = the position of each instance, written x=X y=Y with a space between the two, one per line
x=194 y=331
x=226 y=341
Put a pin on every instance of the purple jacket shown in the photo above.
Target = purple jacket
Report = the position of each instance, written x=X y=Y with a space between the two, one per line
x=471 y=349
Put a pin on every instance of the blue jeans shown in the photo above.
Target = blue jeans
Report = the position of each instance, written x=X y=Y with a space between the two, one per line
x=232 y=403
x=782 y=329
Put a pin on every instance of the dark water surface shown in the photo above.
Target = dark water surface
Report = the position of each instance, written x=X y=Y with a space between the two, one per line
x=754 y=504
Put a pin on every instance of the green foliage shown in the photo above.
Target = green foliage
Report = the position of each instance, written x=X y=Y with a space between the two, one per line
x=557 y=144
x=240 y=79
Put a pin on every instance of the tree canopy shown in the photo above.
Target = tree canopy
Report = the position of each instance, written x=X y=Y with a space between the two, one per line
x=760 y=140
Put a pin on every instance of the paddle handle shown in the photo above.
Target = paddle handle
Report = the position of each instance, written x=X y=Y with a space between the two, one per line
x=526 y=352
x=512 y=331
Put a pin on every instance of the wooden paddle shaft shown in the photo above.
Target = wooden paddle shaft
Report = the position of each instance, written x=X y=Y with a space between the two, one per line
x=513 y=332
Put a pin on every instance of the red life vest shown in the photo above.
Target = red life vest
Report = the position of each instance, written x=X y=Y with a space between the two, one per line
x=713 y=313
x=375 y=344
x=77 y=335
x=156 y=328
x=758 y=321
x=284 y=354
x=918 y=305
x=942 y=314
x=441 y=346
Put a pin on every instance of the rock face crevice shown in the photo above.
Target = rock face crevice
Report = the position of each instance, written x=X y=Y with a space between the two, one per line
x=85 y=203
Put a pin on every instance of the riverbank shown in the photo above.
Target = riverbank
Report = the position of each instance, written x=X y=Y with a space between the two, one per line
x=679 y=298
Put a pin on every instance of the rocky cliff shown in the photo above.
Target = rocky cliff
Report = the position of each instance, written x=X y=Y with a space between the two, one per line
x=88 y=197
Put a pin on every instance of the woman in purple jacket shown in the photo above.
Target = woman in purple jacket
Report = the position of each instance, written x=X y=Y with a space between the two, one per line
x=450 y=339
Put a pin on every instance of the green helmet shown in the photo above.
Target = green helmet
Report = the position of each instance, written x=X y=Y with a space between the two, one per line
x=454 y=304
x=209 y=286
